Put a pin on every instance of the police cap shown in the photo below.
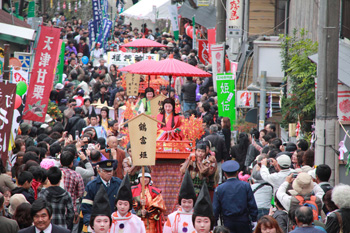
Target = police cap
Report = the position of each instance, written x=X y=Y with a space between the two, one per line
x=230 y=166
x=106 y=164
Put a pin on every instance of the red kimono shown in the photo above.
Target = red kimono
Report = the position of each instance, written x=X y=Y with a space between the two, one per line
x=167 y=132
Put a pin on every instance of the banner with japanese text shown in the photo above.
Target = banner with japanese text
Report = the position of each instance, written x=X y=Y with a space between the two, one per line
x=203 y=51
x=25 y=59
x=7 y=104
x=174 y=20
x=132 y=84
x=217 y=58
x=19 y=75
x=226 y=96
x=143 y=135
x=42 y=74
x=60 y=64
x=125 y=59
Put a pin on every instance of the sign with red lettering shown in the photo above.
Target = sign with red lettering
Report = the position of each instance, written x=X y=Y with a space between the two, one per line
x=7 y=104
x=203 y=51
x=42 y=75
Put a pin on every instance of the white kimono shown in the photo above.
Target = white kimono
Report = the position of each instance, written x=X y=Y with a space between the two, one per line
x=179 y=222
x=129 y=223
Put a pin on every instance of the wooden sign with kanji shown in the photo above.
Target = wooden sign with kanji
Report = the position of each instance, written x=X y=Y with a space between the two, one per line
x=143 y=135
x=132 y=84
x=156 y=104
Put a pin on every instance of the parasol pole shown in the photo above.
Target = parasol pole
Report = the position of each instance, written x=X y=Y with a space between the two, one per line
x=143 y=187
x=169 y=87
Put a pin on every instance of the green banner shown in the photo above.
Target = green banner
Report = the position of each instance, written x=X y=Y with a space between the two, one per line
x=60 y=65
x=226 y=96
x=17 y=8
x=31 y=9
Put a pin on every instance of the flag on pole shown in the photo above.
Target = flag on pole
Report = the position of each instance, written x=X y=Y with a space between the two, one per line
x=342 y=148
x=269 y=111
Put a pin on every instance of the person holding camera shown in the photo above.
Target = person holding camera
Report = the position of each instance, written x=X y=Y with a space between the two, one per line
x=282 y=166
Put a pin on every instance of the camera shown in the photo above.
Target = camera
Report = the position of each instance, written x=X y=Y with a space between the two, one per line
x=268 y=162
x=295 y=175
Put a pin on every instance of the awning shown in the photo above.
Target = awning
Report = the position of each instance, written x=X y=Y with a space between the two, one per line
x=143 y=10
x=16 y=31
x=343 y=64
x=204 y=15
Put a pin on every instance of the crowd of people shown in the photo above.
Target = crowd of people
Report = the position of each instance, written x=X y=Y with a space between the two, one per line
x=76 y=174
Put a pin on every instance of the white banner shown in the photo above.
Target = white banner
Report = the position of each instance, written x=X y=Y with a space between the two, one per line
x=25 y=59
x=125 y=59
x=234 y=12
x=19 y=75
x=218 y=60
x=174 y=17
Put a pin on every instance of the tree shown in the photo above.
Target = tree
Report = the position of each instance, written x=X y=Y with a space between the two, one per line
x=300 y=73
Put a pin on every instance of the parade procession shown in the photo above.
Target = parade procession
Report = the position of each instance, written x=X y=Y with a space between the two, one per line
x=174 y=116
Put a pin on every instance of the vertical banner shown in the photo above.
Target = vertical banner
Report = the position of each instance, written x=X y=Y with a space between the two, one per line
x=156 y=104
x=132 y=84
x=143 y=134
x=217 y=59
x=42 y=75
x=234 y=19
x=174 y=20
x=194 y=38
x=60 y=65
x=226 y=97
x=7 y=104
x=203 y=51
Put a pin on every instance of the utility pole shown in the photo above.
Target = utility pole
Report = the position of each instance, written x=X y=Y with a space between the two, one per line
x=6 y=68
x=327 y=84
x=220 y=21
x=262 y=100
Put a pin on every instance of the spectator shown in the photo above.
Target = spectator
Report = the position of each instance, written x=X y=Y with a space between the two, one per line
x=7 y=225
x=218 y=143
x=24 y=181
x=5 y=180
x=338 y=220
x=76 y=122
x=252 y=151
x=59 y=199
x=239 y=151
x=73 y=183
x=302 y=145
x=41 y=212
x=22 y=215
x=267 y=224
x=304 y=220
x=189 y=94
x=323 y=174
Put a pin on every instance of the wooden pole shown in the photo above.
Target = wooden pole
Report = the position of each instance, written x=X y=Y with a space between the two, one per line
x=6 y=68
x=143 y=187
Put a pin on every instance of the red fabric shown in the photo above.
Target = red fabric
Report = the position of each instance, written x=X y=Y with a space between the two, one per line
x=138 y=65
x=167 y=127
x=35 y=185
x=137 y=191
x=42 y=75
x=143 y=43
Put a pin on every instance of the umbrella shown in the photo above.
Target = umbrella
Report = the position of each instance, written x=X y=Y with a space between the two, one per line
x=170 y=67
x=143 y=43
x=138 y=65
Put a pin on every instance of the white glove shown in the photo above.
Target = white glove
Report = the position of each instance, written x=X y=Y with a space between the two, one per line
x=254 y=225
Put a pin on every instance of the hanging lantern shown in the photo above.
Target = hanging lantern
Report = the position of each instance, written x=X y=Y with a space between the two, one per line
x=69 y=7
x=76 y=7
x=64 y=5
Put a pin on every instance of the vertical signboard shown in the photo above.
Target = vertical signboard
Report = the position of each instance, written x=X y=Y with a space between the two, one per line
x=226 y=96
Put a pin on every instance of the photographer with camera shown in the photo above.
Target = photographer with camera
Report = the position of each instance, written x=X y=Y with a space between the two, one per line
x=281 y=165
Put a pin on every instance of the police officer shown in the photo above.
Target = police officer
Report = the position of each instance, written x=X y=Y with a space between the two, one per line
x=111 y=184
x=234 y=201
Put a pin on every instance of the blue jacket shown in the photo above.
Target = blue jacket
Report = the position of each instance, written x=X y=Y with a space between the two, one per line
x=90 y=191
x=234 y=200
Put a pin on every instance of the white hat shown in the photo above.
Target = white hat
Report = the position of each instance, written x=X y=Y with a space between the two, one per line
x=284 y=161
x=146 y=175
x=59 y=86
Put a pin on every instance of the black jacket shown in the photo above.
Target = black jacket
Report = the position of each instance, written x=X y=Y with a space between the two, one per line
x=332 y=224
x=75 y=123
x=189 y=91
x=55 y=229
x=25 y=192
x=220 y=148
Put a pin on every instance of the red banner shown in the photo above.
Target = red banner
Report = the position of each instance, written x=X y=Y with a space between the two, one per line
x=7 y=104
x=43 y=74
x=203 y=51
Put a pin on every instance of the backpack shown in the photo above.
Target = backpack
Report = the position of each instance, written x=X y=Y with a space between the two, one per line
x=311 y=202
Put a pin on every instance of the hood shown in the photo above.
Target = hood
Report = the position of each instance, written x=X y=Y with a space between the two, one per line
x=55 y=193
x=18 y=190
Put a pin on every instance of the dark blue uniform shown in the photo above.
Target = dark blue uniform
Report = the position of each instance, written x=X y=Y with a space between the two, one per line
x=90 y=191
x=234 y=202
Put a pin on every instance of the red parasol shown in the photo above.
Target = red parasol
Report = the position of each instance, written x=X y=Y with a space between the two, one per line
x=143 y=43
x=138 y=65
x=170 y=67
